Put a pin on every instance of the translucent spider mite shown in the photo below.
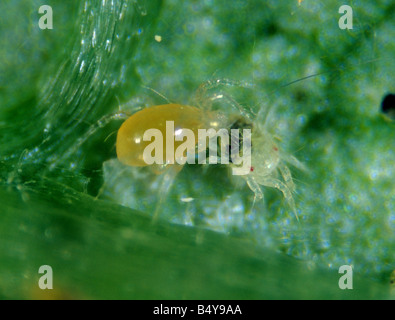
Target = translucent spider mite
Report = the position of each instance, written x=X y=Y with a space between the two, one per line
x=268 y=168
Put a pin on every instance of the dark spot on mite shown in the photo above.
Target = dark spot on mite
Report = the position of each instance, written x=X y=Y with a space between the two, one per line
x=240 y=123
x=388 y=105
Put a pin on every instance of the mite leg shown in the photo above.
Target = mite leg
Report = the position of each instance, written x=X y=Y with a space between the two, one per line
x=277 y=184
x=167 y=181
x=255 y=187
x=102 y=122
x=286 y=174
